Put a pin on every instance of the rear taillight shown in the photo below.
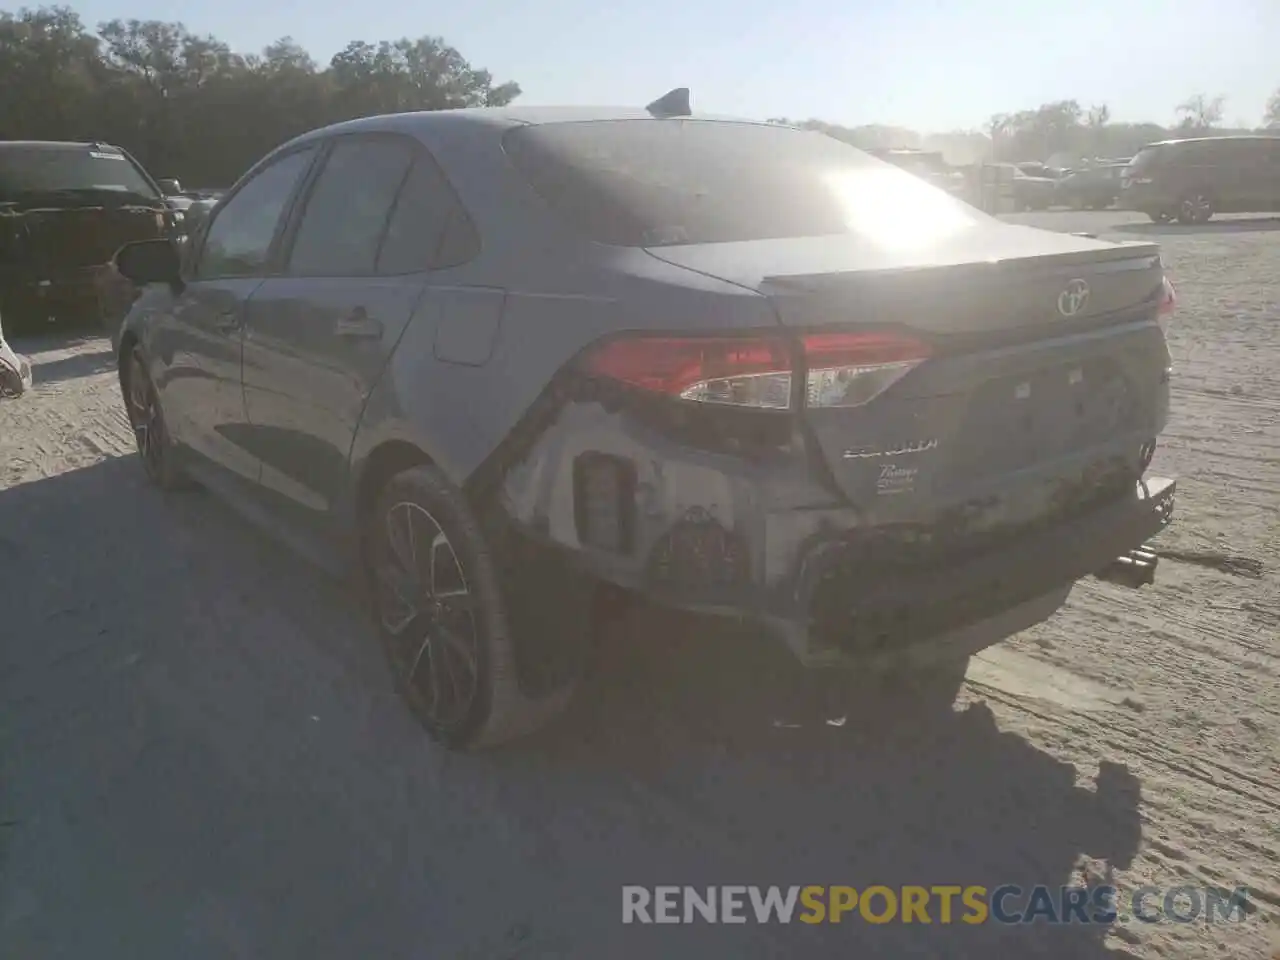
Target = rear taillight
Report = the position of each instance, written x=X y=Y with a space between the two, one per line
x=1168 y=298
x=850 y=369
x=841 y=369
x=741 y=371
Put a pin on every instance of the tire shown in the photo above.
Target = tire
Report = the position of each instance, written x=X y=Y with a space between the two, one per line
x=1161 y=216
x=146 y=418
x=1195 y=207
x=443 y=616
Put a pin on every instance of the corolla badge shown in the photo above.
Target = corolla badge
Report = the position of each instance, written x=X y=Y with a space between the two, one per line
x=1073 y=298
x=913 y=446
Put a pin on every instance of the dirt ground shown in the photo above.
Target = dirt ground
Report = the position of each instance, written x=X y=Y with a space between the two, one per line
x=201 y=755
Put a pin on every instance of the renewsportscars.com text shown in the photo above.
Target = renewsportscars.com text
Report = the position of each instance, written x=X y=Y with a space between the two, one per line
x=943 y=904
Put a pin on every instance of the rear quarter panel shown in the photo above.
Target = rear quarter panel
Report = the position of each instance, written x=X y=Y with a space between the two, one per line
x=460 y=413
x=561 y=293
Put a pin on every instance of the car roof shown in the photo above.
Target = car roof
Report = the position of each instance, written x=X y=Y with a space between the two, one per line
x=1233 y=137
x=437 y=125
x=52 y=145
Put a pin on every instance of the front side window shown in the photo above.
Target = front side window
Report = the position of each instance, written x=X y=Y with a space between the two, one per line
x=347 y=212
x=238 y=241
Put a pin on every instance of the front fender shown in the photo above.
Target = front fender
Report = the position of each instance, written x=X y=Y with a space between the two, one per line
x=139 y=317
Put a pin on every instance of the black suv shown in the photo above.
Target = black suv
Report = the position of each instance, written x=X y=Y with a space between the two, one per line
x=1194 y=179
x=65 y=209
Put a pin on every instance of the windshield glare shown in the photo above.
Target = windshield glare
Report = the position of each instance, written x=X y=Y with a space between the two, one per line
x=45 y=169
x=655 y=183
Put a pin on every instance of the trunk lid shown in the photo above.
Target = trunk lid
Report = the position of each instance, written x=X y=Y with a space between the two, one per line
x=1048 y=367
x=1000 y=279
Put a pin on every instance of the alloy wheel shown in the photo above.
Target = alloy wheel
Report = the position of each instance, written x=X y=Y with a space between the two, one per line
x=428 y=613
x=1197 y=208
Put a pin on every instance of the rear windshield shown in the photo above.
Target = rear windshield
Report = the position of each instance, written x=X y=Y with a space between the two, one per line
x=653 y=183
x=38 y=169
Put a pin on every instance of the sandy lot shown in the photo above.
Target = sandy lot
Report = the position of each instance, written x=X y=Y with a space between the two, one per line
x=201 y=756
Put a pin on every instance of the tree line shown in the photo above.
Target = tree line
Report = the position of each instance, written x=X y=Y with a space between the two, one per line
x=1064 y=127
x=189 y=107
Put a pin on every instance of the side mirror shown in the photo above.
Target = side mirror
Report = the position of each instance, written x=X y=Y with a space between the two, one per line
x=197 y=213
x=170 y=188
x=150 y=261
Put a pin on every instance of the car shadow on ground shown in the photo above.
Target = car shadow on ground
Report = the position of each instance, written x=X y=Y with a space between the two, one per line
x=72 y=367
x=1239 y=225
x=51 y=336
x=204 y=757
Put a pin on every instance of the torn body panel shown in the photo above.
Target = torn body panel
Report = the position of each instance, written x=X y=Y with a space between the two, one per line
x=762 y=536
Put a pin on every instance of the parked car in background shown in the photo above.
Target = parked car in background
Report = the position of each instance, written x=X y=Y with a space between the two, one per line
x=1193 y=179
x=182 y=199
x=1031 y=192
x=1090 y=188
x=65 y=208
x=172 y=190
x=1034 y=168
x=505 y=362
x=929 y=165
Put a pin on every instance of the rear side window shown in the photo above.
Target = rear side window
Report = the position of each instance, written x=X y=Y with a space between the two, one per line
x=665 y=182
x=428 y=228
x=348 y=209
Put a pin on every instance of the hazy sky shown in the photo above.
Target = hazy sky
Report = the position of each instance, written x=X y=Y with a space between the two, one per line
x=927 y=64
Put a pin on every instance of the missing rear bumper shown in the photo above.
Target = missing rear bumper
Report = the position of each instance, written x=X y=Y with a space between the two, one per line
x=875 y=615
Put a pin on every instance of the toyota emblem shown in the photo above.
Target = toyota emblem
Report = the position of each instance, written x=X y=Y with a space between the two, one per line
x=1073 y=299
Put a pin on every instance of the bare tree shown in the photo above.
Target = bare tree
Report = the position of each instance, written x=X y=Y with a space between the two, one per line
x=1272 y=117
x=996 y=127
x=1200 y=112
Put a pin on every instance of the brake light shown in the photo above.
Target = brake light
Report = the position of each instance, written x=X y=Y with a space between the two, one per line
x=841 y=369
x=740 y=371
x=850 y=369
x=1168 y=298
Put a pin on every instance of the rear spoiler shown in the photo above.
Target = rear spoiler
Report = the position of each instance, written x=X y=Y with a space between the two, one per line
x=1125 y=255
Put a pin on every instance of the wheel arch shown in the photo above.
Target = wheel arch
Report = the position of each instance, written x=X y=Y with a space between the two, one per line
x=128 y=340
x=378 y=466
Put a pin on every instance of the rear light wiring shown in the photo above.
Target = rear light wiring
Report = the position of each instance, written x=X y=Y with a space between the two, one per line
x=852 y=369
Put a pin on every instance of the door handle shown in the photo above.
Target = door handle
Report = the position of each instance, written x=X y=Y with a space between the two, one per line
x=358 y=325
x=229 y=321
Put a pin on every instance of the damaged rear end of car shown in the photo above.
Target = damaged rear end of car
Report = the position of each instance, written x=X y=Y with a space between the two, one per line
x=927 y=428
